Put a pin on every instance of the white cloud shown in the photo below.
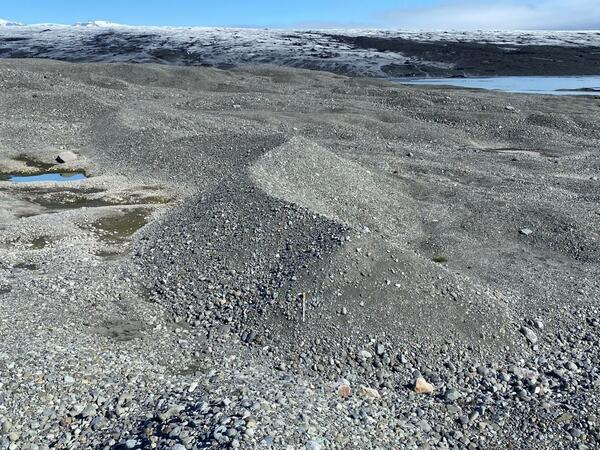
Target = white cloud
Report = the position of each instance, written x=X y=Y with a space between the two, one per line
x=502 y=15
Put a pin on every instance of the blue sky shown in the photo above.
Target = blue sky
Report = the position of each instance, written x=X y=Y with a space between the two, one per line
x=198 y=12
x=411 y=14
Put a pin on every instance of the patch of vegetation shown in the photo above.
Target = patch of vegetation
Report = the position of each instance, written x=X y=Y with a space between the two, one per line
x=40 y=242
x=34 y=163
x=118 y=228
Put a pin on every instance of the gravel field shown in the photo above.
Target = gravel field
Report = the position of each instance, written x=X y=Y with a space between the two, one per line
x=284 y=259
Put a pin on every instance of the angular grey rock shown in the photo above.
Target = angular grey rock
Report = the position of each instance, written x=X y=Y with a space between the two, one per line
x=313 y=445
x=526 y=231
x=6 y=427
x=451 y=395
x=530 y=335
x=424 y=426
x=88 y=411
x=172 y=411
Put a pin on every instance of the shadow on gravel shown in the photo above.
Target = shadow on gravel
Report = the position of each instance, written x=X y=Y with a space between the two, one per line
x=5 y=290
x=120 y=330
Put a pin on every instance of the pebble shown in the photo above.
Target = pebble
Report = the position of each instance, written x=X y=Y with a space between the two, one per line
x=343 y=389
x=423 y=387
x=313 y=445
x=368 y=392
x=451 y=395
x=529 y=334
x=364 y=354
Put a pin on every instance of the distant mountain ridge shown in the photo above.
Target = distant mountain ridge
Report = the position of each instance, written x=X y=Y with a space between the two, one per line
x=89 y=23
x=9 y=23
x=98 y=24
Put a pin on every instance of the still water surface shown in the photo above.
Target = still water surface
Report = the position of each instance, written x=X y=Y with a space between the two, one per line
x=576 y=85
x=47 y=177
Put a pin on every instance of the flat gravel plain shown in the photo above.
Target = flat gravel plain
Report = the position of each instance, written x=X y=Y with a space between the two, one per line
x=328 y=263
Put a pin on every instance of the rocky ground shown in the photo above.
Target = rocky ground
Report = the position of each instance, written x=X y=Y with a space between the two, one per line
x=328 y=263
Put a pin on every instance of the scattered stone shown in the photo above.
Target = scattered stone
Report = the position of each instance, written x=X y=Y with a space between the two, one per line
x=364 y=354
x=6 y=427
x=172 y=411
x=88 y=411
x=423 y=387
x=424 y=426
x=313 y=445
x=343 y=389
x=530 y=335
x=368 y=392
x=451 y=395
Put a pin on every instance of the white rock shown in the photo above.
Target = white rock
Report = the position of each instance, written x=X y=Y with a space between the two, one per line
x=423 y=387
x=365 y=354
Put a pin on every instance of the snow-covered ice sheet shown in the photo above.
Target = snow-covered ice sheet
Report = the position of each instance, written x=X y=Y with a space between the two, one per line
x=99 y=41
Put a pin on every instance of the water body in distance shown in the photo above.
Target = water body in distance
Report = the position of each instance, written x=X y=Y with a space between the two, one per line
x=575 y=85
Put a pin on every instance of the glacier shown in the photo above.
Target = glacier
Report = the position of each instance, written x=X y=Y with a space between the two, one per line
x=337 y=50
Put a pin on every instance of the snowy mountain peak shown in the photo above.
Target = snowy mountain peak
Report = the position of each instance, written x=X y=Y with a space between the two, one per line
x=98 y=24
x=9 y=23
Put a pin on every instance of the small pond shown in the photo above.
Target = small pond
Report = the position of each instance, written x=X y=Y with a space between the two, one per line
x=44 y=177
